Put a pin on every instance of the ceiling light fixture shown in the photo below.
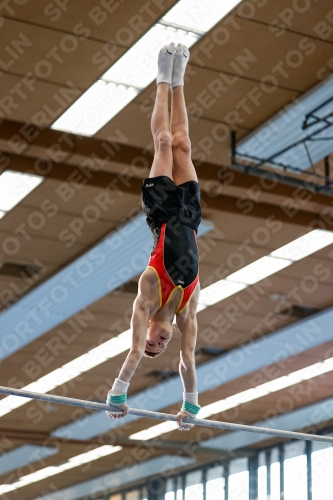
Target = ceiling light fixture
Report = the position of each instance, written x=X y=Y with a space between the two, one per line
x=185 y=23
x=14 y=186
x=277 y=260
x=52 y=470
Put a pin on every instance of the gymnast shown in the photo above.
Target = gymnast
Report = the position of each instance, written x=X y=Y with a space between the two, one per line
x=170 y=283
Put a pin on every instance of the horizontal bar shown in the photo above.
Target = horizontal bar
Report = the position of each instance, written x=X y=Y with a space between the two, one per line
x=91 y=405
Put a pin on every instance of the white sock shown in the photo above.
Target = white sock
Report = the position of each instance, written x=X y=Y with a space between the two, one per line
x=181 y=59
x=166 y=58
x=119 y=387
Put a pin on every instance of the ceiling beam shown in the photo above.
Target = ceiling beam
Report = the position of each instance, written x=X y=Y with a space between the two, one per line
x=57 y=146
x=44 y=439
x=129 y=184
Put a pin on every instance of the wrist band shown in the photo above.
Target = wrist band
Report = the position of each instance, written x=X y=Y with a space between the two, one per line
x=119 y=386
x=116 y=400
x=191 y=408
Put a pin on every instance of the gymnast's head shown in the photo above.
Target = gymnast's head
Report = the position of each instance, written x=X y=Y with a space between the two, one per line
x=159 y=334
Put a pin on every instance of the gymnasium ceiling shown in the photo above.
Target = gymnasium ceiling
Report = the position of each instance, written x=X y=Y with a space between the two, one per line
x=239 y=205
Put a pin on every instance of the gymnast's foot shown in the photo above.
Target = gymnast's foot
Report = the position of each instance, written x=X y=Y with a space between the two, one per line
x=181 y=59
x=166 y=58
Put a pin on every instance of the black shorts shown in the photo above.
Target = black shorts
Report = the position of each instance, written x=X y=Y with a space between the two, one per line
x=163 y=201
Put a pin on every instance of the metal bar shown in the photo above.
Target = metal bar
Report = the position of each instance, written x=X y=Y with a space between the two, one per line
x=321 y=139
x=327 y=169
x=291 y=181
x=226 y=481
x=233 y=147
x=305 y=124
x=309 y=469
x=181 y=27
x=268 y=468
x=253 y=478
x=204 y=484
x=287 y=148
x=91 y=405
x=281 y=461
x=261 y=161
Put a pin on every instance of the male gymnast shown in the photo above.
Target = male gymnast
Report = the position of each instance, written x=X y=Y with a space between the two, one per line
x=170 y=283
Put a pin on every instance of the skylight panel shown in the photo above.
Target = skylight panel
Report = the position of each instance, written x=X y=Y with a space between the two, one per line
x=219 y=291
x=95 y=108
x=186 y=22
x=138 y=65
x=305 y=245
x=14 y=186
x=265 y=266
x=52 y=470
x=200 y=15
x=259 y=270
x=23 y=455
x=71 y=370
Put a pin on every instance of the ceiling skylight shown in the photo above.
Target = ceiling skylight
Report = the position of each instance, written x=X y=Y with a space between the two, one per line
x=220 y=290
x=71 y=370
x=202 y=15
x=266 y=266
x=52 y=470
x=185 y=23
x=95 y=108
x=138 y=66
x=15 y=186
x=259 y=270
x=305 y=245
x=235 y=400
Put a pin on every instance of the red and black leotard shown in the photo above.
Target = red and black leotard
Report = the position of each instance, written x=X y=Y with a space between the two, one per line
x=173 y=215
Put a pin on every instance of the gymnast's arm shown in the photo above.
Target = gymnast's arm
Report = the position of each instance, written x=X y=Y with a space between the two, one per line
x=139 y=321
x=188 y=326
x=142 y=310
x=187 y=371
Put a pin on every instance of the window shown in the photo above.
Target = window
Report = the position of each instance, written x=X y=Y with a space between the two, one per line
x=215 y=483
x=285 y=462
x=322 y=466
x=194 y=486
x=170 y=489
x=275 y=474
x=238 y=480
x=295 y=471
x=179 y=488
x=262 y=476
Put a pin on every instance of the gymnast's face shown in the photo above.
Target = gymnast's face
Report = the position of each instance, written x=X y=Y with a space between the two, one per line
x=159 y=334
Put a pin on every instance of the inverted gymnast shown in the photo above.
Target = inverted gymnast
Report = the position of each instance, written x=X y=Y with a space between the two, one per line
x=170 y=283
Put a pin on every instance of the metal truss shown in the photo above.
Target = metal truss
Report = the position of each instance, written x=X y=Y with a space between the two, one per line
x=316 y=182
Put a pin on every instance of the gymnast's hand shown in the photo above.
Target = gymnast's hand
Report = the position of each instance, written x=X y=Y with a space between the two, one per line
x=124 y=407
x=183 y=426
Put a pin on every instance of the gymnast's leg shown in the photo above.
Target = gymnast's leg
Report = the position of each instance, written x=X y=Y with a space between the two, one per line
x=183 y=168
x=160 y=126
